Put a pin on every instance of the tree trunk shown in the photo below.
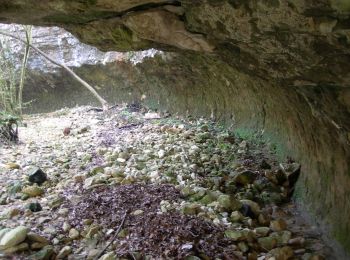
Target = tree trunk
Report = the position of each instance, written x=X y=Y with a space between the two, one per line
x=28 y=31
x=103 y=102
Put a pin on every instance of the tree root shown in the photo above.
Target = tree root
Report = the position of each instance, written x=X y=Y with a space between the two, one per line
x=9 y=132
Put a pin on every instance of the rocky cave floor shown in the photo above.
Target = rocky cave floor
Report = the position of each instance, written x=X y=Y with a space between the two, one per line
x=174 y=189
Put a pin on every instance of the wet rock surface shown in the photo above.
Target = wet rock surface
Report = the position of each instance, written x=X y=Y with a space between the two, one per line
x=191 y=190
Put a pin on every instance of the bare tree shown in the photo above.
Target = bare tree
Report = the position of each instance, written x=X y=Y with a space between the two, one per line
x=28 y=33
x=103 y=102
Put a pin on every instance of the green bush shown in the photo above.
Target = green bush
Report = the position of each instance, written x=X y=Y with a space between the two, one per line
x=11 y=88
x=8 y=82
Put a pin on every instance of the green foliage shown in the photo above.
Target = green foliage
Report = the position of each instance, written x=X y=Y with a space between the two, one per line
x=11 y=89
x=224 y=146
x=122 y=38
x=12 y=78
x=260 y=138
x=246 y=134
x=253 y=136
x=8 y=81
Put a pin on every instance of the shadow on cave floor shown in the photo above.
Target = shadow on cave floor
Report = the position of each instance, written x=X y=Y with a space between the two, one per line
x=189 y=189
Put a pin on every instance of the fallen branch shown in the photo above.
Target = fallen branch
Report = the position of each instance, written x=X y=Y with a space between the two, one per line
x=114 y=237
x=103 y=102
x=96 y=109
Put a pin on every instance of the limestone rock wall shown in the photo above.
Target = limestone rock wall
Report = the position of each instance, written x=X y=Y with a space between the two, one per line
x=58 y=44
x=280 y=66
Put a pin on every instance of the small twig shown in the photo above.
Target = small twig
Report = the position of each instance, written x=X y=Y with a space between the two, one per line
x=132 y=255
x=129 y=126
x=97 y=109
x=114 y=237
x=103 y=102
x=110 y=108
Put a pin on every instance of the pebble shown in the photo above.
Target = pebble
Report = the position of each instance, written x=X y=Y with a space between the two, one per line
x=13 y=213
x=236 y=216
x=64 y=252
x=34 y=207
x=278 y=225
x=13 y=237
x=282 y=253
x=66 y=227
x=108 y=256
x=37 y=245
x=228 y=203
x=44 y=254
x=191 y=208
x=244 y=177
x=33 y=191
x=87 y=222
x=297 y=241
x=233 y=193
x=262 y=231
x=235 y=235
x=243 y=247
x=73 y=233
x=37 y=238
x=93 y=253
x=253 y=206
x=63 y=211
x=282 y=237
x=12 y=166
x=137 y=212
x=92 y=230
x=267 y=243
x=161 y=154
x=16 y=248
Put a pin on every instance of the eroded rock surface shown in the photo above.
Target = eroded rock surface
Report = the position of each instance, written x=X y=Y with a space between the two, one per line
x=280 y=66
x=58 y=44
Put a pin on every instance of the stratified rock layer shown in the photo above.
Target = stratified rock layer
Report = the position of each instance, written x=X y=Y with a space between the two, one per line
x=280 y=66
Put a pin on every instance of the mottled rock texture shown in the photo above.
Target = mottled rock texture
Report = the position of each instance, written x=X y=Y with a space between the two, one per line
x=280 y=66
x=58 y=44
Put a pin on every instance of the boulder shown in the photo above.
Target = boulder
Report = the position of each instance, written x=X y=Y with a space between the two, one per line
x=229 y=203
x=36 y=175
